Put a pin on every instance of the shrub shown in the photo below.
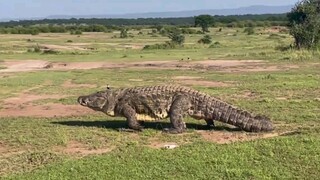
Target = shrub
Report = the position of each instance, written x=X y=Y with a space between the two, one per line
x=77 y=32
x=249 y=30
x=205 y=40
x=304 y=24
x=177 y=38
x=124 y=33
x=188 y=31
x=215 y=45
x=167 y=45
x=50 y=51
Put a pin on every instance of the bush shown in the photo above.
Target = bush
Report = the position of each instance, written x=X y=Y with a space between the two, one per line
x=188 y=31
x=34 y=32
x=305 y=24
x=177 y=38
x=124 y=33
x=167 y=45
x=35 y=49
x=205 y=40
x=215 y=45
x=77 y=32
x=249 y=30
x=50 y=51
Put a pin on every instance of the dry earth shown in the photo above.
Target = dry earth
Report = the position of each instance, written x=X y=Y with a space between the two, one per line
x=217 y=65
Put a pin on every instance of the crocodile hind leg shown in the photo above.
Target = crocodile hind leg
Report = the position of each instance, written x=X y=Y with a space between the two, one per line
x=130 y=114
x=177 y=111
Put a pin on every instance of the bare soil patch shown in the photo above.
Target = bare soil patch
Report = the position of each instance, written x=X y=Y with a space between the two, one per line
x=59 y=47
x=205 y=83
x=186 y=78
x=69 y=84
x=76 y=65
x=3 y=148
x=226 y=137
x=48 y=110
x=21 y=66
x=189 y=80
x=24 y=99
x=216 y=65
x=165 y=145
x=79 y=149
x=6 y=151
x=22 y=106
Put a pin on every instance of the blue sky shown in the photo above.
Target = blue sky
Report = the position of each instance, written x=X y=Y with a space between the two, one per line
x=42 y=8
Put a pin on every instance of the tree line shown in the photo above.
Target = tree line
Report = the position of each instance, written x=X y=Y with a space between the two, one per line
x=105 y=25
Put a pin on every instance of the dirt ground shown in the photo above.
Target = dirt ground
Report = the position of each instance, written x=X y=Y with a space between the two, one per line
x=217 y=65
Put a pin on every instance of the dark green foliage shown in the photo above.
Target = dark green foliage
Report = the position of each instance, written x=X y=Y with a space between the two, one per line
x=215 y=45
x=166 y=45
x=204 y=21
x=249 y=30
x=159 y=27
x=188 y=31
x=99 y=24
x=50 y=51
x=177 y=38
x=124 y=33
x=77 y=32
x=165 y=31
x=205 y=40
x=304 y=23
x=108 y=25
x=35 y=49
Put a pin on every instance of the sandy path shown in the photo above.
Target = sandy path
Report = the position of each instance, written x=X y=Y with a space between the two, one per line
x=217 y=65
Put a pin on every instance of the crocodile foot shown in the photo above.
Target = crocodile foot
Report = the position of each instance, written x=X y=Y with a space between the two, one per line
x=173 y=130
x=129 y=130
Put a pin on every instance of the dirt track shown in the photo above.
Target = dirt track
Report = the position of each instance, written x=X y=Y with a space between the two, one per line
x=217 y=65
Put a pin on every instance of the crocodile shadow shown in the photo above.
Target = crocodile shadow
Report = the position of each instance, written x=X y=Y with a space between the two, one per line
x=118 y=124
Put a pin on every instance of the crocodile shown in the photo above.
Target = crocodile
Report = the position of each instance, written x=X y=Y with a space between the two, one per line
x=176 y=102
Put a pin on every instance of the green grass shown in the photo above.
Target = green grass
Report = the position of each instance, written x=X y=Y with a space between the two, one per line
x=289 y=97
x=234 y=44
x=296 y=155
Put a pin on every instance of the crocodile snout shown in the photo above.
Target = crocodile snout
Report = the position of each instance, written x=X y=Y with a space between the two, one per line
x=83 y=101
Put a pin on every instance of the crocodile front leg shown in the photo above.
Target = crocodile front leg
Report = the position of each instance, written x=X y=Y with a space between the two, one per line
x=178 y=110
x=130 y=114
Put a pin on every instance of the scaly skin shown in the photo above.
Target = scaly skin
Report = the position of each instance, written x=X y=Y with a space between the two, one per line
x=175 y=102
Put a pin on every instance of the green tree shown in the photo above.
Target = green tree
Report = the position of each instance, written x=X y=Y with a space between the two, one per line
x=204 y=21
x=124 y=33
x=249 y=30
x=176 y=38
x=304 y=23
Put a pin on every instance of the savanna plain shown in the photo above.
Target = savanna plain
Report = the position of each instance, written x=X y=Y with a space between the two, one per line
x=45 y=134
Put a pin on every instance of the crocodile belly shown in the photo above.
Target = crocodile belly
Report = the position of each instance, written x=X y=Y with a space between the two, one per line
x=155 y=117
x=145 y=117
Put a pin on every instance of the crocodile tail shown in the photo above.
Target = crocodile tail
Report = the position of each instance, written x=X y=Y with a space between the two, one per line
x=229 y=114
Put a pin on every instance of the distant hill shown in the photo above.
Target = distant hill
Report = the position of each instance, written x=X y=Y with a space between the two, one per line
x=238 y=11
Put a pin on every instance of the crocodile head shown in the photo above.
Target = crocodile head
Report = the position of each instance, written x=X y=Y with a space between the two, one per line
x=100 y=101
